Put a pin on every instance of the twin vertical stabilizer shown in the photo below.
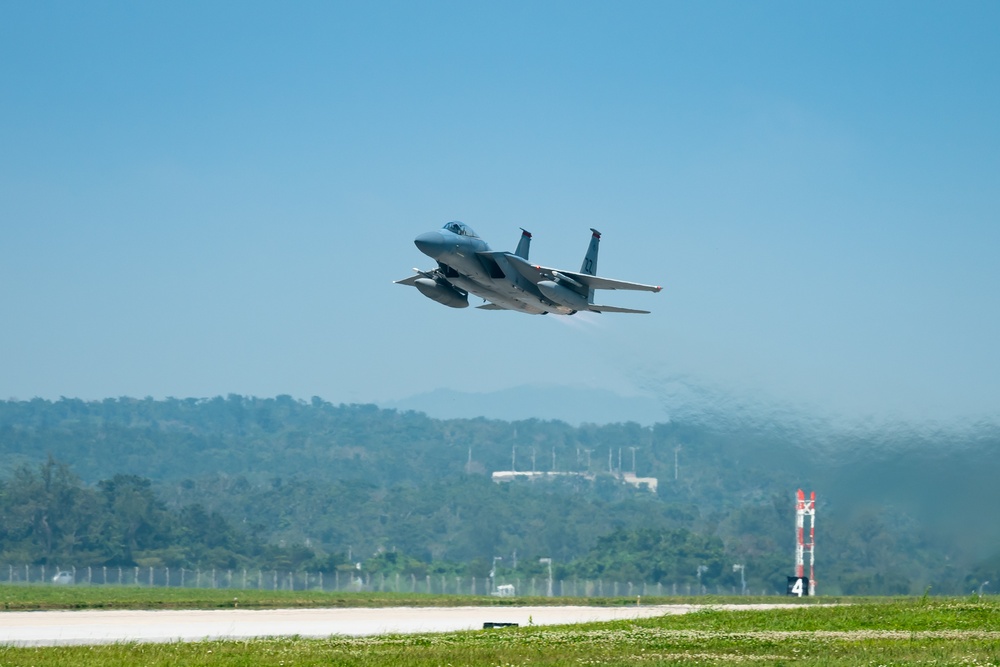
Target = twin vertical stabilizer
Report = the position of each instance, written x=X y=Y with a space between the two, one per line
x=590 y=260
x=524 y=244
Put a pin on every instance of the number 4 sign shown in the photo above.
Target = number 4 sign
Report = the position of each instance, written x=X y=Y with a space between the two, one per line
x=798 y=586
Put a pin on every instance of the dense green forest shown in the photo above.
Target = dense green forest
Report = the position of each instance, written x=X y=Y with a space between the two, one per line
x=250 y=482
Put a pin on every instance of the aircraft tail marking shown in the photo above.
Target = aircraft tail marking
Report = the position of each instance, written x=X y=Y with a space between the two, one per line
x=590 y=260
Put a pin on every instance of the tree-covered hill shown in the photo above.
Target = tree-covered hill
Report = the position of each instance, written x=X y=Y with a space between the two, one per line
x=333 y=479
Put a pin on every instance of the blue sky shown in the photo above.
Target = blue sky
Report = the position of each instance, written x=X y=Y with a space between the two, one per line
x=210 y=198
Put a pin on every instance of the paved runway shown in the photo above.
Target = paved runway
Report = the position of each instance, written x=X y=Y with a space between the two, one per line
x=50 y=628
x=53 y=628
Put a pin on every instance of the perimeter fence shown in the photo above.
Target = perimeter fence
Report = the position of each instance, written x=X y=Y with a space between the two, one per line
x=344 y=581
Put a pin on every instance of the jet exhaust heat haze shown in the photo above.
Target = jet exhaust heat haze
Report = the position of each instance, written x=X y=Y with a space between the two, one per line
x=506 y=280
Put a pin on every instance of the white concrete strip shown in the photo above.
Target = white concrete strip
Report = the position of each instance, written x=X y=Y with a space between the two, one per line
x=52 y=628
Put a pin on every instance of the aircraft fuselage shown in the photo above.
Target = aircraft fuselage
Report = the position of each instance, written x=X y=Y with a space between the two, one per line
x=490 y=277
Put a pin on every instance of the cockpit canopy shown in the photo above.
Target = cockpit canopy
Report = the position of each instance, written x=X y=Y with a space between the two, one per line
x=461 y=229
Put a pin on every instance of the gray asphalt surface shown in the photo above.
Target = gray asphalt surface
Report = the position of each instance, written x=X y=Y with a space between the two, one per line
x=50 y=628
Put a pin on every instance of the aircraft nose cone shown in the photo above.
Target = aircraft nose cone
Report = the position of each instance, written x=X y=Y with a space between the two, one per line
x=430 y=243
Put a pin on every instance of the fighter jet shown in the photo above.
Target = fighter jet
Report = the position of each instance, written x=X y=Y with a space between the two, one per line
x=507 y=280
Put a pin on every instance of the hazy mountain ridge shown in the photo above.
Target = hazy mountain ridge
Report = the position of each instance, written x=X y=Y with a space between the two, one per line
x=573 y=405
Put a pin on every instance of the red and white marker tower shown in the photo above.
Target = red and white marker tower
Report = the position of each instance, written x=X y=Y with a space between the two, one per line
x=804 y=508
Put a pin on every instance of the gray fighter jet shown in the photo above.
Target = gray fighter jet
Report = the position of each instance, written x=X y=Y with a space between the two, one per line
x=507 y=280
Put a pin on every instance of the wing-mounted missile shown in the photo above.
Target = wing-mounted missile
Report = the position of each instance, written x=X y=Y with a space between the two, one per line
x=434 y=286
x=442 y=293
x=566 y=280
x=562 y=295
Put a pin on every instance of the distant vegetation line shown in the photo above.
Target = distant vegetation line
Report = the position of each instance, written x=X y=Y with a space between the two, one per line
x=281 y=483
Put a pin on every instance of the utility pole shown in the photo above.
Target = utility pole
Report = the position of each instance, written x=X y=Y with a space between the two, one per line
x=633 y=458
x=743 y=582
x=493 y=574
x=548 y=561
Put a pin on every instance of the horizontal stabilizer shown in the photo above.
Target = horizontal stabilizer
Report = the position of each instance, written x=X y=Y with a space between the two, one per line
x=615 y=309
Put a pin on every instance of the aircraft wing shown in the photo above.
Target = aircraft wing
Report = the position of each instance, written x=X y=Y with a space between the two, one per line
x=537 y=273
x=408 y=281
x=433 y=274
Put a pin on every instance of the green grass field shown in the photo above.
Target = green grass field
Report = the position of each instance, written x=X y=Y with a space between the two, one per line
x=929 y=631
x=30 y=598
